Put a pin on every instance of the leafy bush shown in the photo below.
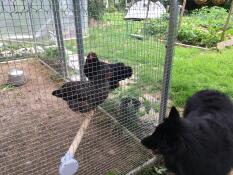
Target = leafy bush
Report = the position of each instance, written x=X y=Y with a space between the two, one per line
x=96 y=9
x=196 y=35
x=156 y=27
x=11 y=47
x=52 y=58
x=203 y=27
x=51 y=53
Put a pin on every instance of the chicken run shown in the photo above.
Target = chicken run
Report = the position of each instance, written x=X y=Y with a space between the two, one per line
x=77 y=98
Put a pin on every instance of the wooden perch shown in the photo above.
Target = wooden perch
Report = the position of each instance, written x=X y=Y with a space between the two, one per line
x=79 y=135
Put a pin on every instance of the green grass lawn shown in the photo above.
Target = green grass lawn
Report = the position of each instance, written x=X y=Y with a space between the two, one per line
x=194 y=70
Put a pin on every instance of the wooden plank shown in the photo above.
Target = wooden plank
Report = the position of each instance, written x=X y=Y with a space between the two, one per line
x=79 y=134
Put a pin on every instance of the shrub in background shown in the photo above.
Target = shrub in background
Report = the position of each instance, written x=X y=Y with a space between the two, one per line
x=96 y=9
x=156 y=27
x=203 y=27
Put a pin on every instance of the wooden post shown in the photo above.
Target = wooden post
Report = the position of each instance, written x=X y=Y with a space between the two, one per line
x=148 y=8
x=182 y=13
x=227 y=22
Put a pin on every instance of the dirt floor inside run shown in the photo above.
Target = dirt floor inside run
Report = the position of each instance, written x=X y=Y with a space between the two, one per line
x=36 y=130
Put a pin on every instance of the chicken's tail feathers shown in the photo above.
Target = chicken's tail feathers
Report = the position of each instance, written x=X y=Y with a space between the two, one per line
x=130 y=71
x=123 y=72
x=57 y=93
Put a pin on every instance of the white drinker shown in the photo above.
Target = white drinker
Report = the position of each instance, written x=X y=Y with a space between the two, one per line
x=68 y=166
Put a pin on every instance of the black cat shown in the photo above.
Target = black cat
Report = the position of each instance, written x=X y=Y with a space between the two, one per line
x=200 y=143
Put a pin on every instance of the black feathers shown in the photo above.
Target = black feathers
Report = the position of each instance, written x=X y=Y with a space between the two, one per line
x=83 y=96
x=94 y=69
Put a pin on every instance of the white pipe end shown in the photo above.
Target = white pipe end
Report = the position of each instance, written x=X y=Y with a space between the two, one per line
x=68 y=166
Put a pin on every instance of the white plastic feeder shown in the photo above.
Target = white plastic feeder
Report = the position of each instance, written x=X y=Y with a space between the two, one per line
x=16 y=77
x=69 y=165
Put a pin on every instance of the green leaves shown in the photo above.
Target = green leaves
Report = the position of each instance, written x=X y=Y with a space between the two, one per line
x=51 y=53
x=7 y=86
x=204 y=27
x=156 y=27
x=156 y=170
x=96 y=9
x=195 y=69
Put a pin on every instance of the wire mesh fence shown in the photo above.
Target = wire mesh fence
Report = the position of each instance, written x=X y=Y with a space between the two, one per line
x=63 y=62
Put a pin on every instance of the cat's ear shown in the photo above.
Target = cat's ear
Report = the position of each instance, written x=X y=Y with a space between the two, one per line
x=174 y=114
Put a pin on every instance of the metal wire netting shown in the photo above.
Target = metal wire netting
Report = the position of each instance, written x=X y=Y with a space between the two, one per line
x=63 y=62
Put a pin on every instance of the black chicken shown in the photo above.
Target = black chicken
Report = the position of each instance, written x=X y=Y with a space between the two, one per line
x=83 y=96
x=96 y=70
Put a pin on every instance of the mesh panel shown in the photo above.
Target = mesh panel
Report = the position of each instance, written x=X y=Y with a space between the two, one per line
x=62 y=62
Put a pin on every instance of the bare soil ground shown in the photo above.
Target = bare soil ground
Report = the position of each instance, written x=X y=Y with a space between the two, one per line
x=36 y=130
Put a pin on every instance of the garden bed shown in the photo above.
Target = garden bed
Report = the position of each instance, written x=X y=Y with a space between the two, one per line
x=202 y=28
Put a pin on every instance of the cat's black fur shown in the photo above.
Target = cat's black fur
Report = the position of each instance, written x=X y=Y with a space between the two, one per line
x=200 y=143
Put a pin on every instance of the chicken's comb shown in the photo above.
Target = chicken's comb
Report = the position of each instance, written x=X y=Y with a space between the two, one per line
x=91 y=55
